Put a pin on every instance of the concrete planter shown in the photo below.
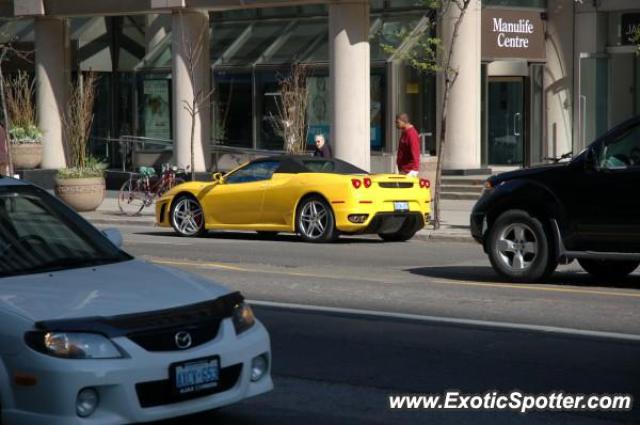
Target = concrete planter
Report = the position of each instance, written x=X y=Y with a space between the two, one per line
x=83 y=194
x=26 y=156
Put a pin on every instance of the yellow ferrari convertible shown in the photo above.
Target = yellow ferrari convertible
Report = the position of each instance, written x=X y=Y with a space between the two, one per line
x=314 y=197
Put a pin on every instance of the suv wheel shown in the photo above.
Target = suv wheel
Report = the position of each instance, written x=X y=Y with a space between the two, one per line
x=519 y=248
x=607 y=269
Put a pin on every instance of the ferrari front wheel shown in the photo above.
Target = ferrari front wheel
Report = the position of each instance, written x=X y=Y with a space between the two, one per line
x=315 y=221
x=187 y=217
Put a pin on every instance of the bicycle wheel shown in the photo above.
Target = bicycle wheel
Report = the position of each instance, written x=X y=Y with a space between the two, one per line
x=131 y=198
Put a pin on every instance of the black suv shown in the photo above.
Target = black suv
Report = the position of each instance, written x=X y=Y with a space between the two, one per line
x=530 y=220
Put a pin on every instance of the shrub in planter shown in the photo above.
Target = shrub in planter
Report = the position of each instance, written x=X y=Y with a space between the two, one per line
x=24 y=135
x=82 y=184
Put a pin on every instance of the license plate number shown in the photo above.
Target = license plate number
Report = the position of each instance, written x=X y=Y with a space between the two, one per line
x=196 y=376
x=401 y=206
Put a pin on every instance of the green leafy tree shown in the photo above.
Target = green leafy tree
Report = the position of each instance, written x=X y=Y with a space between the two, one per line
x=427 y=53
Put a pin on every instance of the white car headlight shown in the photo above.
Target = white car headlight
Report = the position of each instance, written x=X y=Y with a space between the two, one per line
x=243 y=318
x=72 y=345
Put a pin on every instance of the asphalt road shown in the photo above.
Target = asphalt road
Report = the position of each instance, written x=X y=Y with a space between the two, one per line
x=414 y=317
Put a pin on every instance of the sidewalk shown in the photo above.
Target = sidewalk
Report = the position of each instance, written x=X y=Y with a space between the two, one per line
x=455 y=222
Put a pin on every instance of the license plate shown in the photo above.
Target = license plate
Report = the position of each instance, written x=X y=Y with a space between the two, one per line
x=401 y=206
x=198 y=375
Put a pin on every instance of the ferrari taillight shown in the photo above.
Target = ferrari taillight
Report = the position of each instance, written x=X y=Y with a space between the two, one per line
x=356 y=183
x=425 y=184
x=367 y=182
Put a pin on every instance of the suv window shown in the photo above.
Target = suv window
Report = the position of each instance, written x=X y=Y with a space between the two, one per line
x=254 y=172
x=622 y=152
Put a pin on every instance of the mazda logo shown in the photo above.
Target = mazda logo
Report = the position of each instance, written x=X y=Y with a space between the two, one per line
x=183 y=340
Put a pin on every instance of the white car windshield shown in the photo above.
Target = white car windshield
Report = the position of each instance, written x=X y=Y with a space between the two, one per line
x=39 y=234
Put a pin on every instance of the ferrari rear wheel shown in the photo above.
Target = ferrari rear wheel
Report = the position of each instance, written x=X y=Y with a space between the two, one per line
x=315 y=221
x=187 y=217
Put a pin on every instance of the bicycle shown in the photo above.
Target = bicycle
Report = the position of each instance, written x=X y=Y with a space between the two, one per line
x=141 y=189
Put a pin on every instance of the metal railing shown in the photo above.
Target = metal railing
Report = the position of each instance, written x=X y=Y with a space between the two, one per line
x=127 y=145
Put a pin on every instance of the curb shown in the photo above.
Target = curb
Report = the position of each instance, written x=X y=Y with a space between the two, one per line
x=118 y=221
x=432 y=236
x=425 y=235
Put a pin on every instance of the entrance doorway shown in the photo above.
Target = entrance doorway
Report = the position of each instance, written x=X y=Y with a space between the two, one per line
x=506 y=121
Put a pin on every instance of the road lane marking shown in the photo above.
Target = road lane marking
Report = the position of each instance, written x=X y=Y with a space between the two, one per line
x=528 y=287
x=204 y=265
x=451 y=282
x=554 y=330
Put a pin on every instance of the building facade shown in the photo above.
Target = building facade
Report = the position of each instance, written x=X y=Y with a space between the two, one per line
x=536 y=78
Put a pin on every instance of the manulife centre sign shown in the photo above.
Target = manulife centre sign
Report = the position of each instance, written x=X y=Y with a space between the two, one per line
x=512 y=34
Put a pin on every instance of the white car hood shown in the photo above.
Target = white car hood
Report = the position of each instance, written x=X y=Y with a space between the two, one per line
x=110 y=290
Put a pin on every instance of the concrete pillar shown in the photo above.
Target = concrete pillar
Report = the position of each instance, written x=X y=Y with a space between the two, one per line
x=52 y=76
x=462 y=150
x=558 y=77
x=350 y=81
x=188 y=26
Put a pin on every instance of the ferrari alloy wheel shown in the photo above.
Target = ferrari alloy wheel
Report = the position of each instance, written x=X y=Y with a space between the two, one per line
x=315 y=221
x=187 y=217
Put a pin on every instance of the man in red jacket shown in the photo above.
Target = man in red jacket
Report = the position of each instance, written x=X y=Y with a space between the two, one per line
x=409 y=147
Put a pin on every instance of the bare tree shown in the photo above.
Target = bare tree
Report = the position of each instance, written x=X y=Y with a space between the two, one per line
x=78 y=120
x=430 y=54
x=200 y=97
x=291 y=121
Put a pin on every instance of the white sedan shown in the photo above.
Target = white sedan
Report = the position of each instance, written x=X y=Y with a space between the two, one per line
x=90 y=335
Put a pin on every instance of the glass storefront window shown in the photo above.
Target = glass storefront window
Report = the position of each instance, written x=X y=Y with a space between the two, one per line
x=415 y=94
x=593 y=100
x=267 y=98
x=297 y=44
x=506 y=121
x=154 y=115
x=222 y=37
x=263 y=34
x=391 y=32
x=538 y=4
x=318 y=117
x=233 y=109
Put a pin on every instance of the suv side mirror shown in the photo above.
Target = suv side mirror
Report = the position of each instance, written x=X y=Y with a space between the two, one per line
x=217 y=178
x=590 y=165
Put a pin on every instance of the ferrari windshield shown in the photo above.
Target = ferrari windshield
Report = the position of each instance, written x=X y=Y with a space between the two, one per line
x=38 y=234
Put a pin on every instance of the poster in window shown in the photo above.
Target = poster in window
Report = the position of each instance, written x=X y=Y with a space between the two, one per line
x=157 y=109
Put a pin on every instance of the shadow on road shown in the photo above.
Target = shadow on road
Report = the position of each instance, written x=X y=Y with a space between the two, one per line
x=253 y=236
x=488 y=275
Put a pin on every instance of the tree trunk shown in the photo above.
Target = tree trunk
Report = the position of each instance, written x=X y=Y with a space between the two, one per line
x=193 y=135
x=451 y=75
x=441 y=148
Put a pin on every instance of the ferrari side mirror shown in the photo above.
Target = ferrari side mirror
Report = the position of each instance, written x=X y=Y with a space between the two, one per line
x=217 y=177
